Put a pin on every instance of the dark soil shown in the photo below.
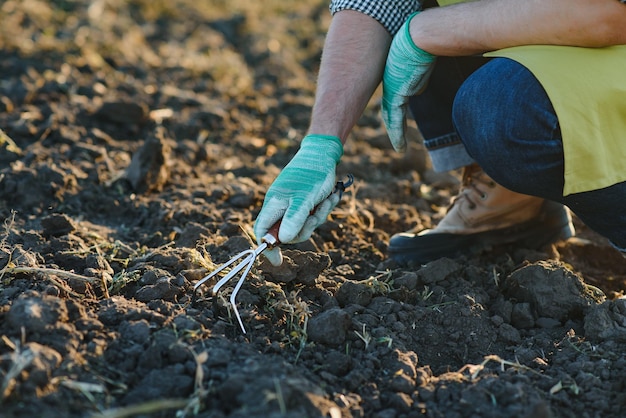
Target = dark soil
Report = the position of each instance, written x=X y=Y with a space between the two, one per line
x=138 y=139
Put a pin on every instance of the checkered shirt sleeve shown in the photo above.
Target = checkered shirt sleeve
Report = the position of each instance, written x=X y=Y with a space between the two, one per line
x=390 y=13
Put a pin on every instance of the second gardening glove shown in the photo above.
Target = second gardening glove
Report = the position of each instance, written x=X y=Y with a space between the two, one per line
x=305 y=184
x=406 y=73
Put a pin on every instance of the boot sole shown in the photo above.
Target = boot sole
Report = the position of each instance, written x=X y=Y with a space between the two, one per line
x=532 y=234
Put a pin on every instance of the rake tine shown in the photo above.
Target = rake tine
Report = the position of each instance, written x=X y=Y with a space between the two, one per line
x=246 y=260
x=246 y=263
x=222 y=267
x=235 y=270
x=233 y=295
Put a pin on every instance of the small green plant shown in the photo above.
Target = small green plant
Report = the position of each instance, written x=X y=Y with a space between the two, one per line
x=572 y=387
x=229 y=309
x=19 y=360
x=496 y=276
x=123 y=279
x=425 y=294
x=580 y=345
x=8 y=224
x=437 y=306
x=381 y=284
x=385 y=340
x=365 y=336
x=296 y=314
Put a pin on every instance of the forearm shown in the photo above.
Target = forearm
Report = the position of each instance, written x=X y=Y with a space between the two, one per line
x=487 y=25
x=351 y=68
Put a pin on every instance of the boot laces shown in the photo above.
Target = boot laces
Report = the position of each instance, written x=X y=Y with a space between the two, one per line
x=473 y=181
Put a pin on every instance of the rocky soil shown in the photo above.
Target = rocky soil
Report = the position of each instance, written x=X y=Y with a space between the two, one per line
x=138 y=139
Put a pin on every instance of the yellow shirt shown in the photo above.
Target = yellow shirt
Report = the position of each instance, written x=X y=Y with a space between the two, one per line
x=587 y=87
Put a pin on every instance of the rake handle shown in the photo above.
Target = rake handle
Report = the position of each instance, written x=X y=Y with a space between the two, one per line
x=271 y=237
x=273 y=231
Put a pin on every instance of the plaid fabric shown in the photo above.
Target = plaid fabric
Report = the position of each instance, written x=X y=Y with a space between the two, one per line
x=390 y=13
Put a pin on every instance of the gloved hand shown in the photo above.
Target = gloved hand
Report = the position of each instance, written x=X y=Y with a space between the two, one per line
x=406 y=73
x=306 y=183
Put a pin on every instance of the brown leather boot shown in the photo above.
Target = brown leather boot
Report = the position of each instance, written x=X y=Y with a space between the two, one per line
x=483 y=215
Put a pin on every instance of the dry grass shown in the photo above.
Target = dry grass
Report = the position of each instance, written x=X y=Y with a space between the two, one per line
x=19 y=360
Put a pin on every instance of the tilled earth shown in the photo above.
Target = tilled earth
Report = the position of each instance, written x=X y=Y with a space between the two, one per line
x=138 y=139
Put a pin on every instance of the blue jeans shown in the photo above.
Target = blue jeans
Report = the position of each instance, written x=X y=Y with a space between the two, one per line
x=508 y=126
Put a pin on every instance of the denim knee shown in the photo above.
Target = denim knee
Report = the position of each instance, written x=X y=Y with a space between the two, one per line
x=508 y=126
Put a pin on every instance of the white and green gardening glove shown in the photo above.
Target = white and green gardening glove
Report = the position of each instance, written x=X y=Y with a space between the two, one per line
x=406 y=73
x=302 y=195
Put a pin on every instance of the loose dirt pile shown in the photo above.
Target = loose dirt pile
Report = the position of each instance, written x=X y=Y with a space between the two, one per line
x=138 y=138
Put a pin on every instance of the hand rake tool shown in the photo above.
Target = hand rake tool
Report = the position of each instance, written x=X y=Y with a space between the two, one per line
x=247 y=258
